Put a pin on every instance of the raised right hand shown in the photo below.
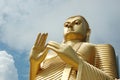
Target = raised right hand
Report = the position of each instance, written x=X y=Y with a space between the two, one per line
x=39 y=50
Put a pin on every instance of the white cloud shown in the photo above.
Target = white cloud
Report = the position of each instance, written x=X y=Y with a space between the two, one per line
x=21 y=20
x=8 y=70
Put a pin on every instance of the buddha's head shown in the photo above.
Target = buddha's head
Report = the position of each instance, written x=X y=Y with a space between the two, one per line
x=76 y=28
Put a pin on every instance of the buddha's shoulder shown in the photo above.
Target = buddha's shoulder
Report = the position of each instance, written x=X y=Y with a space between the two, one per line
x=86 y=44
x=85 y=47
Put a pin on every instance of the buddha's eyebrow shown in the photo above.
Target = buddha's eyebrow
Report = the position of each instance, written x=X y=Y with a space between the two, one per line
x=66 y=22
x=77 y=20
x=73 y=21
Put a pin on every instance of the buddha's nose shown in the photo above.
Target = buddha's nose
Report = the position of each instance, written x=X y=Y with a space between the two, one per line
x=70 y=25
x=70 y=28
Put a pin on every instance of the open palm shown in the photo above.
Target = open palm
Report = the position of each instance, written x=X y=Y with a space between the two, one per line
x=39 y=50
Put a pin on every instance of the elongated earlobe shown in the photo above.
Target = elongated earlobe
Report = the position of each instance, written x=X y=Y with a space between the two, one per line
x=88 y=35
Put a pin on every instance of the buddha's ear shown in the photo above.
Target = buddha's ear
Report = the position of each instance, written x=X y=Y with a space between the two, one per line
x=88 y=35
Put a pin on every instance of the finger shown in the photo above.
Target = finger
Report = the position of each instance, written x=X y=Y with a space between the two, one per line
x=37 y=40
x=43 y=36
x=54 y=44
x=44 y=39
x=53 y=48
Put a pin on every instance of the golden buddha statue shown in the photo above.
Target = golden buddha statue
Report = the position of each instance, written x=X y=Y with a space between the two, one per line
x=75 y=59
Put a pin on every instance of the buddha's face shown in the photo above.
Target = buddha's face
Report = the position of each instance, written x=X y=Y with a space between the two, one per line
x=75 y=28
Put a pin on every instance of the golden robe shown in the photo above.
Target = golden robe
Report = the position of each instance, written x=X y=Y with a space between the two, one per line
x=101 y=65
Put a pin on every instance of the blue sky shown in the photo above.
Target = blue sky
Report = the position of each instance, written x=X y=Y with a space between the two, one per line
x=22 y=20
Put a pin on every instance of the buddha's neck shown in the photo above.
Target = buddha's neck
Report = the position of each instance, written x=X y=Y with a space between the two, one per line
x=72 y=42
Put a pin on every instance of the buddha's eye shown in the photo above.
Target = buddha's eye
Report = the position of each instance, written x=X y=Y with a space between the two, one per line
x=77 y=22
x=66 y=24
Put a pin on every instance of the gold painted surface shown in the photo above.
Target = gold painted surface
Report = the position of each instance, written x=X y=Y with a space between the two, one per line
x=76 y=58
x=106 y=60
x=52 y=69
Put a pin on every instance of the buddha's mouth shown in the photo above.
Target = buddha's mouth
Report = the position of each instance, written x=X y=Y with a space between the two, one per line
x=70 y=30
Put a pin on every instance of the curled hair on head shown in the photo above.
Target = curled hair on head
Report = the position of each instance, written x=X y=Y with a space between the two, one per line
x=87 y=26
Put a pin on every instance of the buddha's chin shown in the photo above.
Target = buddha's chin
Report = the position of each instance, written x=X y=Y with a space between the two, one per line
x=73 y=36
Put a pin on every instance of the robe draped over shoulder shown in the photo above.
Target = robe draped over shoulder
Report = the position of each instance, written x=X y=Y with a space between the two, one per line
x=56 y=69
